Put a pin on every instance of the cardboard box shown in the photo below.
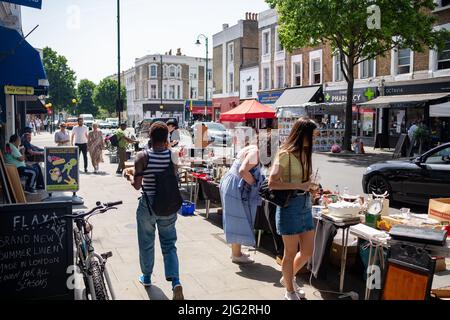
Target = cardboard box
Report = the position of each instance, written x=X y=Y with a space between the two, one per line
x=439 y=209
x=441 y=266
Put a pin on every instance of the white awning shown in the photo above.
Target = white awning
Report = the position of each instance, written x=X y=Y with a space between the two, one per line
x=386 y=101
x=440 y=110
x=296 y=97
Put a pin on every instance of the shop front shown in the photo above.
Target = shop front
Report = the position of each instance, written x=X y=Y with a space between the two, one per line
x=195 y=110
x=22 y=75
x=222 y=105
x=156 y=110
x=269 y=98
x=402 y=106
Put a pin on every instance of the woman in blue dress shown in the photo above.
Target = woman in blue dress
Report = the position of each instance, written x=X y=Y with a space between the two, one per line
x=239 y=191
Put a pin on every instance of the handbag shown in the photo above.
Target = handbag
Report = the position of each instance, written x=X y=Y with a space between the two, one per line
x=280 y=198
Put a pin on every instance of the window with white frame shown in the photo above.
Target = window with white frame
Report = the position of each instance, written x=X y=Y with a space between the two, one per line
x=230 y=82
x=153 y=92
x=266 y=79
x=249 y=91
x=230 y=52
x=179 y=72
x=316 y=71
x=193 y=76
x=209 y=74
x=297 y=73
x=404 y=61
x=171 y=92
x=165 y=71
x=338 y=74
x=443 y=57
x=193 y=93
x=367 y=69
x=172 y=71
x=280 y=76
x=278 y=44
x=266 y=42
x=153 y=71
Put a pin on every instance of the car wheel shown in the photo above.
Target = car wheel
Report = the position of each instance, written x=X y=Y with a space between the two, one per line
x=378 y=185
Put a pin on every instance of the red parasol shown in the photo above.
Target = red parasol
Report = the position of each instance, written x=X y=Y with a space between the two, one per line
x=250 y=109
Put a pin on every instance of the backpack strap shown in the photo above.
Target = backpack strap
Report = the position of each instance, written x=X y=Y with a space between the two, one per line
x=144 y=194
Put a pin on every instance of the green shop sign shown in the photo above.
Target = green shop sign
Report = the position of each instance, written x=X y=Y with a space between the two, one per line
x=360 y=95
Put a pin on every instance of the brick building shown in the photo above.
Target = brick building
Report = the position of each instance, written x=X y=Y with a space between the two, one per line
x=235 y=51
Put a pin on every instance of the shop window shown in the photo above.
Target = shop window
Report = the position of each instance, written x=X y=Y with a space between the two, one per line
x=316 y=72
x=404 y=61
x=279 y=45
x=280 y=76
x=266 y=79
x=368 y=69
x=297 y=70
x=249 y=91
x=444 y=57
x=172 y=71
x=230 y=53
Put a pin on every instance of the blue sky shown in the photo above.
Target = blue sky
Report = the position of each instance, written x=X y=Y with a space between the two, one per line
x=85 y=30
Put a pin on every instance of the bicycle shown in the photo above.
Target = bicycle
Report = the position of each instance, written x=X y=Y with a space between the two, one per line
x=91 y=264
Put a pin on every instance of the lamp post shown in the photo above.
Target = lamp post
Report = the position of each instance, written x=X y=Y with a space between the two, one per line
x=206 y=71
x=119 y=98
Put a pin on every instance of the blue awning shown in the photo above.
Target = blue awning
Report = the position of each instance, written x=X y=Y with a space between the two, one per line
x=20 y=63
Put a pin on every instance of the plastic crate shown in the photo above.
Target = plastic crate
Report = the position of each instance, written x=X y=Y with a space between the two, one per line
x=188 y=209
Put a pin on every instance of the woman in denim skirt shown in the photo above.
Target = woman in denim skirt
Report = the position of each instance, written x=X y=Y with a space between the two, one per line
x=292 y=171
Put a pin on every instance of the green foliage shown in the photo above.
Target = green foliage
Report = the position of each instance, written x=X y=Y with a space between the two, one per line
x=422 y=134
x=105 y=95
x=85 y=94
x=61 y=78
x=103 y=114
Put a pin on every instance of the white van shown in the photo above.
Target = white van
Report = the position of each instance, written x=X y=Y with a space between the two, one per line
x=88 y=120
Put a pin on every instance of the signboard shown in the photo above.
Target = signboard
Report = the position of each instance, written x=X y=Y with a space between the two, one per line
x=269 y=98
x=27 y=3
x=434 y=87
x=19 y=91
x=61 y=169
x=35 y=256
x=360 y=95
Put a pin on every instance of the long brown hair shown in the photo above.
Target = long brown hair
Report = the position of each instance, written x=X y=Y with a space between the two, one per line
x=303 y=128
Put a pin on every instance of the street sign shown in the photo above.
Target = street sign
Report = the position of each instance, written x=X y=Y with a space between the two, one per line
x=27 y=3
x=61 y=169
x=20 y=91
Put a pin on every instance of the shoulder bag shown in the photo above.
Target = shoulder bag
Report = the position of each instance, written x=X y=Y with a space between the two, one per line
x=280 y=198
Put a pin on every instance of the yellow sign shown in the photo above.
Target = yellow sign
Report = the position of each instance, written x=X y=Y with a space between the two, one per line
x=24 y=91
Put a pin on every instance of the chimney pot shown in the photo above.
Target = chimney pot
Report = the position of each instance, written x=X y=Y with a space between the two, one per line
x=179 y=52
x=225 y=26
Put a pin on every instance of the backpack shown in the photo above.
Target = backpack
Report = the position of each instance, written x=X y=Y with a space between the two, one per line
x=168 y=200
x=114 y=140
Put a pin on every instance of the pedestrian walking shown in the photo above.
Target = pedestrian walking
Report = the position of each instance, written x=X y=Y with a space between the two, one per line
x=62 y=137
x=292 y=171
x=45 y=124
x=95 y=146
x=32 y=126
x=239 y=191
x=80 y=137
x=38 y=125
x=174 y=133
x=150 y=163
x=123 y=142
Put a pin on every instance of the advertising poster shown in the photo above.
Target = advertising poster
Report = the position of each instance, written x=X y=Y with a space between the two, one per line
x=61 y=169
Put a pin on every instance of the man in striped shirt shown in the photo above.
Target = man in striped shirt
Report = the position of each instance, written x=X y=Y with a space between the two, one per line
x=142 y=176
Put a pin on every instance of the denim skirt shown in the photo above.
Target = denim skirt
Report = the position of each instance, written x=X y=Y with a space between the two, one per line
x=296 y=218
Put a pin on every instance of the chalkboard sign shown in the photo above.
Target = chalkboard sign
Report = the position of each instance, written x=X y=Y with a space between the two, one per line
x=35 y=257
x=381 y=141
x=402 y=147
x=61 y=169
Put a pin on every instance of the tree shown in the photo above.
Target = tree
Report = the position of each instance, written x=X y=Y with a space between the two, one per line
x=85 y=94
x=61 y=78
x=352 y=30
x=105 y=94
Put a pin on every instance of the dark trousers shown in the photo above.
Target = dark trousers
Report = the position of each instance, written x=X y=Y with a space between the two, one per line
x=122 y=153
x=83 y=149
x=33 y=174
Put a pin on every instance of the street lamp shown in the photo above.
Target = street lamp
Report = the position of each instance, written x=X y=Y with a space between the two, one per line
x=206 y=70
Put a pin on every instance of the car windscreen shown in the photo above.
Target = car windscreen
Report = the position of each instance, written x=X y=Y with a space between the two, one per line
x=216 y=127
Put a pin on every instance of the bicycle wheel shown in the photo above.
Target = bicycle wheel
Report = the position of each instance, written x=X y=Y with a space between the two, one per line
x=97 y=279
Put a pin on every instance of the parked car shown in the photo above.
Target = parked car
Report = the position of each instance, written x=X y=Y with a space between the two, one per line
x=143 y=127
x=217 y=133
x=71 y=122
x=415 y=180
x=88 y=120
x=114 y=122
x=104 y=124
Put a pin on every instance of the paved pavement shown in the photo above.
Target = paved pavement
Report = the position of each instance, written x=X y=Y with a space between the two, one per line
x=205 y=266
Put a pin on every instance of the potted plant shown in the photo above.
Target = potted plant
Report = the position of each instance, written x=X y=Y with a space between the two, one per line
x=423 y=136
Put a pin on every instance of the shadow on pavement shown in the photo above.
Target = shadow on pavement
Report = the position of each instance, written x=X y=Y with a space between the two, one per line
x=358 y=161
x=155 y=293
x=260 y=272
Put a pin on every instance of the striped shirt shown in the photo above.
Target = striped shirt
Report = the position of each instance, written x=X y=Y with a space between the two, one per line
x=157 y=163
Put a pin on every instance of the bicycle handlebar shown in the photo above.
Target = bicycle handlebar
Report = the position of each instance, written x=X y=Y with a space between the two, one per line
x=113 y=204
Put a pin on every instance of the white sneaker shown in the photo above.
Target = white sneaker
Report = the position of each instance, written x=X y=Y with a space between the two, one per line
x=244 y=254
x=301 y=294
x=291 y=296
x=242 y=260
